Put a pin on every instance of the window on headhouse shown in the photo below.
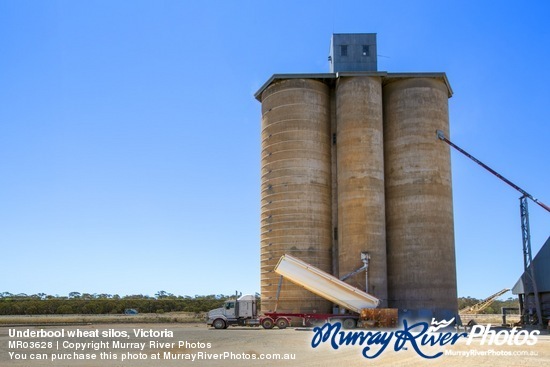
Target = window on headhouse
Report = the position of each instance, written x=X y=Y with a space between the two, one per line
x=343 y=50
x=365 y=50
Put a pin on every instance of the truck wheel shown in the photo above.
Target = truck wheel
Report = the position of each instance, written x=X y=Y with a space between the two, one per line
x=219 y=324
x=267 y=323
x=282 y=323
x=349 y=324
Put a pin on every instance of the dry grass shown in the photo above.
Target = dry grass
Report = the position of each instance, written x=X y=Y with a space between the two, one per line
x=493 y=319
x=174 y=317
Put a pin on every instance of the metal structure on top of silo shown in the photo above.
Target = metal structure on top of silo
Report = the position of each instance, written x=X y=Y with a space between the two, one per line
x=351 y=166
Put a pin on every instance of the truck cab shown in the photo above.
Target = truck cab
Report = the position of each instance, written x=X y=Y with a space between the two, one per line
x=241 y=311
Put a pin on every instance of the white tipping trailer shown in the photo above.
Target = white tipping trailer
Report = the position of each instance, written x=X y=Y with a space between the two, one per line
x=362 y=304
x=324 y=285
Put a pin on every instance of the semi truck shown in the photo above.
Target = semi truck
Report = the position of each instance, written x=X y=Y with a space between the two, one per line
x=361 y=306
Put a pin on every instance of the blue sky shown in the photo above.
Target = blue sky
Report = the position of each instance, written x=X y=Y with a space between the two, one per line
x=129 y=141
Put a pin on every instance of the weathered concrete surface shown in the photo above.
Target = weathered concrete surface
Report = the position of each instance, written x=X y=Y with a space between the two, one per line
x=419 y=205
x=296 y=188
x=351 y=163
x=360 y=177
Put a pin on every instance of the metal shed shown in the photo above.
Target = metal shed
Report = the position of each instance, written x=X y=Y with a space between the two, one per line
x=524 y=288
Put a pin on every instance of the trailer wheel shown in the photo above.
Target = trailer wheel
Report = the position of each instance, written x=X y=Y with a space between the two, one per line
x=335 y=321
x=267 y=323
x=219 y=324
x=282 y=323
x=349 y=324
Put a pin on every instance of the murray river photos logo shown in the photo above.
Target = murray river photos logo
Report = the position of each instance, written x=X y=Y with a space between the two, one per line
x=418 y=336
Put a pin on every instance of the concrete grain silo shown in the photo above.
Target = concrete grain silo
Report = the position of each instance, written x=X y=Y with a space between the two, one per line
x=296 y=215
x=360 y=182
x=419 y=204
x=350 y=165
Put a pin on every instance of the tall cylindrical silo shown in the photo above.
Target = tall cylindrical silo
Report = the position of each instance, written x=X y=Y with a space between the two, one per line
x=360 y=182
x=295 y=188
x=419 y=206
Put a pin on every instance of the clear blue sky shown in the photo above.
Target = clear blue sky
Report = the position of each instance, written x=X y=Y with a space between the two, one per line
x=129 y=141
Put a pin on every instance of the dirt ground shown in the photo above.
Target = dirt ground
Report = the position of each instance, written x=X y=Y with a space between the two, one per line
x=240 y=347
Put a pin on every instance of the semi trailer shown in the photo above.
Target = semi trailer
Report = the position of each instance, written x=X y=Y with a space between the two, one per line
x=361 y=307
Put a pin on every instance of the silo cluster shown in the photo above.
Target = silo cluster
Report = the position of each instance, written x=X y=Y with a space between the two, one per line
x=350 y=165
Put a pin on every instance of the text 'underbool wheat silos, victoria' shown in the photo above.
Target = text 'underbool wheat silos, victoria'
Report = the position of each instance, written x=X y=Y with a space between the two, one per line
x=296 y=186
x=353 y=175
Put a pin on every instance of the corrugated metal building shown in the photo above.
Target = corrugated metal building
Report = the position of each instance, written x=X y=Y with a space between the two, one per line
x=524 y=288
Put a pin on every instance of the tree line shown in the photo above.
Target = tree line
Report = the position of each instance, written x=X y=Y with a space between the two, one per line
x=85 y=303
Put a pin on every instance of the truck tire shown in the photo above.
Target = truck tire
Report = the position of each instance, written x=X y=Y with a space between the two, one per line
x=219 y=324
x=267 y=323
x=282 y=323
x=349 y=324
